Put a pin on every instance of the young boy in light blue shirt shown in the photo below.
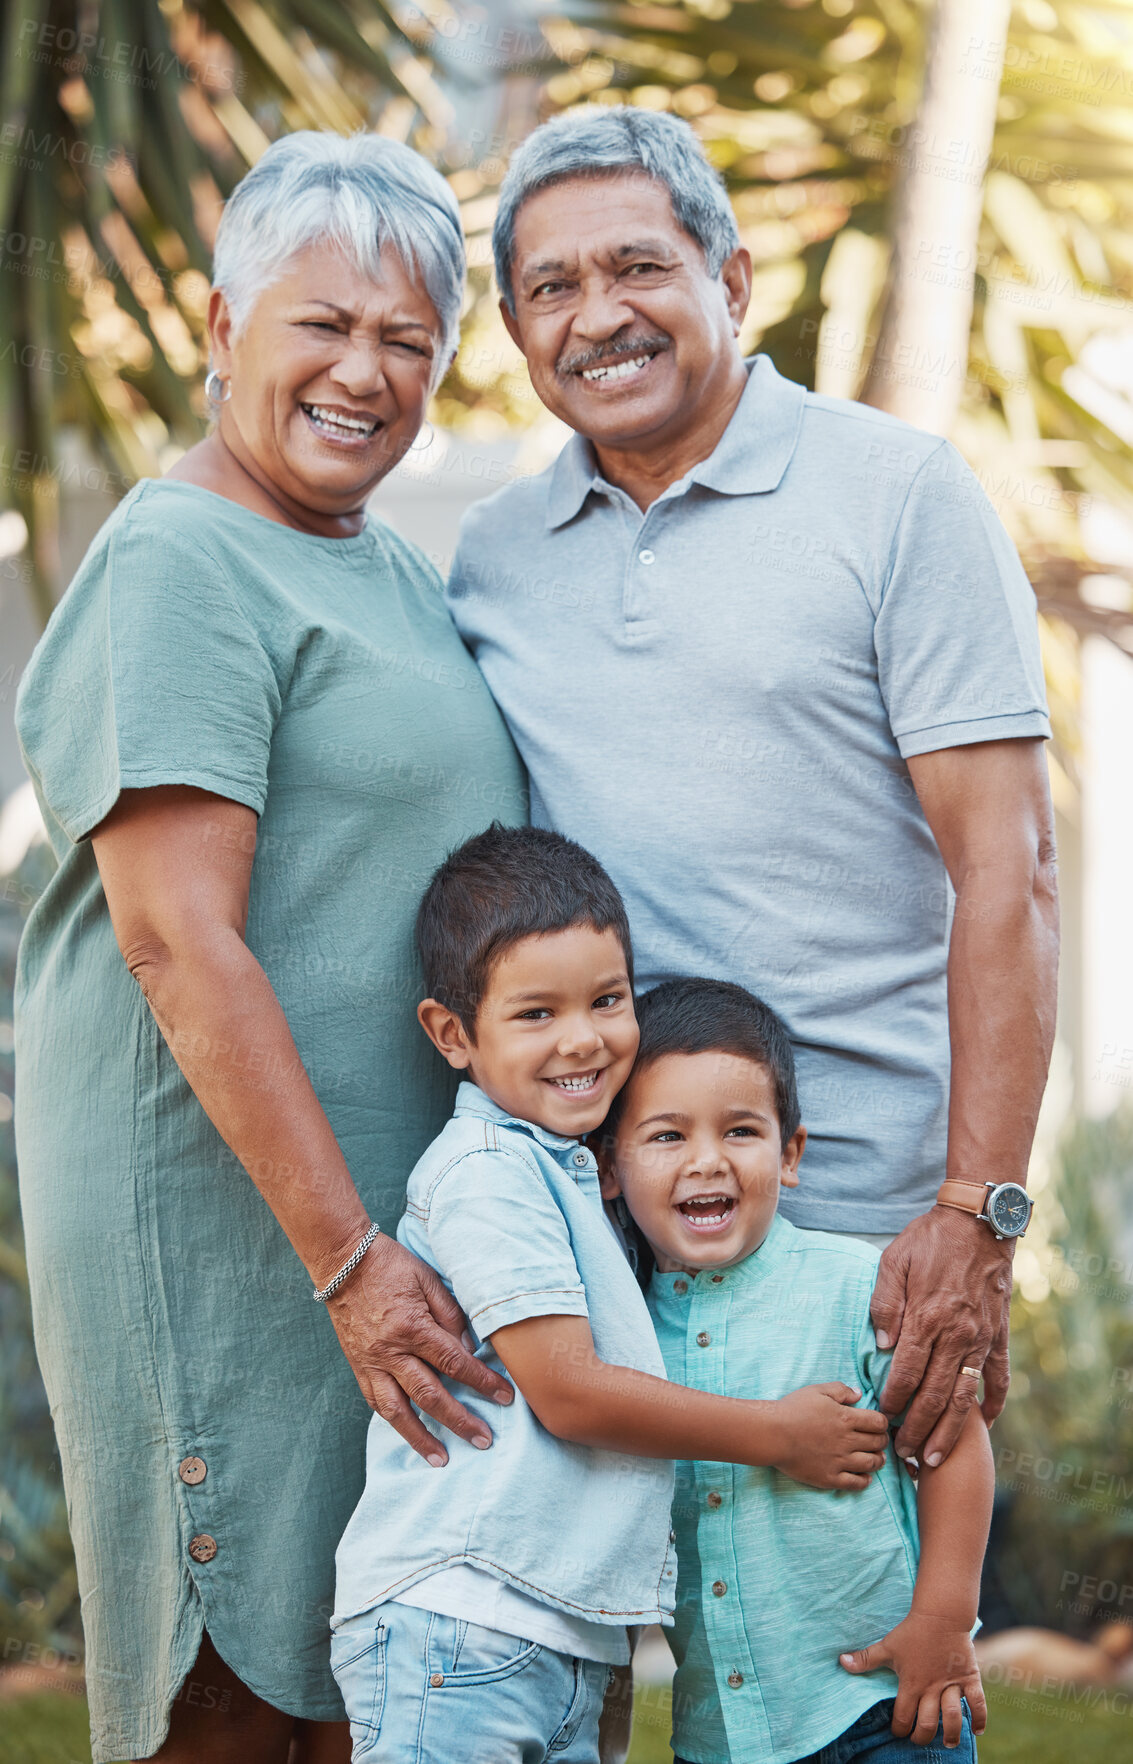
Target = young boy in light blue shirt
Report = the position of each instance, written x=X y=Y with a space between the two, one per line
x=480 y=1607
x=806 y=1632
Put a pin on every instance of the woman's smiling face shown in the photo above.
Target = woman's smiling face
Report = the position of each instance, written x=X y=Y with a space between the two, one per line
x=328 y=379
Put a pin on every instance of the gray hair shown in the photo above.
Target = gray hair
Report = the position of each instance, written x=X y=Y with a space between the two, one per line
x=598 y=140
x=357 y=193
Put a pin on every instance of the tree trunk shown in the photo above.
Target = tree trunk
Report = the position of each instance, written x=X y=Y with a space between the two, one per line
x=920 y=361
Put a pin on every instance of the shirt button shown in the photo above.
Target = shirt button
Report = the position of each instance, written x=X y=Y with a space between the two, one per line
x=735 y=1679
x=672 y=1537
x=703 y=1338
x=581 y=1157
x=680 y=1286
x=192 y=1471
x=202 y=1548
x=646 y=556
x=715 y=1500
x=719 y=1588
x=436 y=1679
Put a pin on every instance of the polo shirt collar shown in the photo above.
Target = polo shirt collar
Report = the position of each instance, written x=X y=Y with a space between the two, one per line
x=471 y=1100
x=750 y=457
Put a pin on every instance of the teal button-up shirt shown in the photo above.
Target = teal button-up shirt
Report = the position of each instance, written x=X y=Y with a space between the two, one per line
x=776 y=1580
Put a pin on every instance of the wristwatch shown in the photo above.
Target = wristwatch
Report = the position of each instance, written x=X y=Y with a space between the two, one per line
x=1005 y=1206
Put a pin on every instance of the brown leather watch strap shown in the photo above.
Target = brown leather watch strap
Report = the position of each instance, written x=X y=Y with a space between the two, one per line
x=969 y=1197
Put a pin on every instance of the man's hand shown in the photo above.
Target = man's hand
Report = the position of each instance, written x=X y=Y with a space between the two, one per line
x=399 y=1326
x=935 y=1666
x=942 y=1295
x=827 y=1443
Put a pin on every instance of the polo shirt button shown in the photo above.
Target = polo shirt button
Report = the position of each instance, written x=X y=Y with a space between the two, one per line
x=192 y=1471
x=715 y=1500
x=436 y=1679
x=647 y=556
x=202 y=1548
x=719 y=1588
x=703 y=1338
x=680 y=1286
x=735 y=1679
x=581 y=1157
x=716 y=1279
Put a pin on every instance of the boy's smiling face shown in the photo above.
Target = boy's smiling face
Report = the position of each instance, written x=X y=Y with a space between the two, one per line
x=555 y=1034
x=699 y=1160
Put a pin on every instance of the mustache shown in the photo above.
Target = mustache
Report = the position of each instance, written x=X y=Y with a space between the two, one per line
x=605 y=354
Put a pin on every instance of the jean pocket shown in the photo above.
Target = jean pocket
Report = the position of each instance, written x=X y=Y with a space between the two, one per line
x=472 y=1654
x=358 y=1661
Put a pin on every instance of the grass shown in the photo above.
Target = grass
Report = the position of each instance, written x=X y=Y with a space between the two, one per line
x=44 y=1730
x=1023 y=1728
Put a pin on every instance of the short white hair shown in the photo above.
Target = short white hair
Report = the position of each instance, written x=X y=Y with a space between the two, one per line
x=357 y=193
x=601 y=140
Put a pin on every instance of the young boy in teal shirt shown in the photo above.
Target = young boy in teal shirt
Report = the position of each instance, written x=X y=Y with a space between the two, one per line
x=806 y=1631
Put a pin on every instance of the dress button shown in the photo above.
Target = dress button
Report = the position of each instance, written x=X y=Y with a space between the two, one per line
x=719 y=1588
x=703 y=1338
x=715 y=1500
x=581 y=1157
x=646 y=556
x=735 y=1679
x=192 y=1471
x=436 y=1679
x=203 y=1547
x=680 y=1286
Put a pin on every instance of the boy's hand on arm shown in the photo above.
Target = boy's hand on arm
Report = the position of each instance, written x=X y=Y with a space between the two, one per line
x=825 y=1441
x=931 y=1650
x=814 y=1435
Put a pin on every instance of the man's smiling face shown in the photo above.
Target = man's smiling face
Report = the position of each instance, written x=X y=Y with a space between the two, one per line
x=625 y=332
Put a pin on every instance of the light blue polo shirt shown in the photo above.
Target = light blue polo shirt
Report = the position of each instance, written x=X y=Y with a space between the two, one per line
x=510 y=1215
x=718 y=697
x=776 y=1580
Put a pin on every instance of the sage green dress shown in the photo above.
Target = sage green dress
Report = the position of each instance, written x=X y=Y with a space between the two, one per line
x=212 y=1434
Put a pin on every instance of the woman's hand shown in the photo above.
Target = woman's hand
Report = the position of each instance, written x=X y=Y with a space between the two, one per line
x=399 y=1326
x=176 y=867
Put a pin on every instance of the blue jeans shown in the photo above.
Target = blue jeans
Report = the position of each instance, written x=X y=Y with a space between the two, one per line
x=423 y=1689
x=871 y=1741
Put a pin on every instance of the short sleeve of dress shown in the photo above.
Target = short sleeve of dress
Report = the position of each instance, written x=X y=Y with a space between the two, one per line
x=956 y=633
x=150 y=672
x=502 y=1243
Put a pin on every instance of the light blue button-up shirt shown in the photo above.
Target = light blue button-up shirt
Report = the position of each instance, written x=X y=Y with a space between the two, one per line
x=511 y=1218
x=718 y=698
x=776 y=1580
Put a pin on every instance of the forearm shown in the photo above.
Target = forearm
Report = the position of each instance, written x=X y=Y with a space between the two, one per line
x=226 y=1029
x=954 y=1513
x=580 y=1398
x=1002 y=983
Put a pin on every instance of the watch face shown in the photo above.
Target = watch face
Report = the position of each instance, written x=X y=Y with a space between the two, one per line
x=1009 y=1209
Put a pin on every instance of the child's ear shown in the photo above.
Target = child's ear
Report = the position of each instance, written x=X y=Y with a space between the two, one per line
x=789 y=1162
x=602 y=1145
x=446 y=1032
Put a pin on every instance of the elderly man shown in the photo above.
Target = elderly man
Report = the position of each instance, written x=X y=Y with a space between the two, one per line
x=772 y=657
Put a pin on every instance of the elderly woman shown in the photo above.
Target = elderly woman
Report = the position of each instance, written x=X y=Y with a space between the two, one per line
x=254 y=733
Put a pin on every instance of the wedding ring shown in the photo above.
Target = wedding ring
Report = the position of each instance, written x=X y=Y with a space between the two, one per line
x=971 y=1372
